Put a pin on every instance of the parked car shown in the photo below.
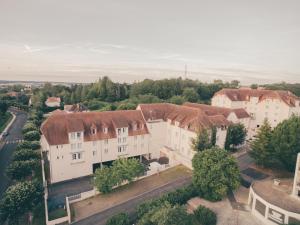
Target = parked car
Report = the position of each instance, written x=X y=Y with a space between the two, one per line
x=5 y=133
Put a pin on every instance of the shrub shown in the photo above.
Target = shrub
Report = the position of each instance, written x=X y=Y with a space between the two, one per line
x=25 y=154
x=34 y=145
x=32 y=136
x=29 y=126
x=205 y=216
x=119 y=219
x=20 y=170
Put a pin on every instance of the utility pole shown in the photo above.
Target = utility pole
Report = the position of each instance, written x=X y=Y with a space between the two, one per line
x=185 y=71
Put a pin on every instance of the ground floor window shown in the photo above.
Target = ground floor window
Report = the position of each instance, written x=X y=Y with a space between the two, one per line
x=76 y=156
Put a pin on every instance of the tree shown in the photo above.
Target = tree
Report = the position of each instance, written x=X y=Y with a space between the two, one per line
x=176 y=99
x=286 y=142
x=205 y=216
x=19 y=199
x=120 y=171
x=190 y=95
x=215 y=173
x=34 y=145
x=32 y=136
x=262 y=149
x=119 y=219
x=25 y=154
x=3 y=107
x=126 y=106
x=166 y=214
x=236 y=134
x=127 y=169
x=104 y=179
x=19 y=170
x=202 y=141
x=29 y=127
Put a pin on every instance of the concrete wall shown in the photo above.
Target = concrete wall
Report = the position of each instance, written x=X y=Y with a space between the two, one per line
x=272 y=214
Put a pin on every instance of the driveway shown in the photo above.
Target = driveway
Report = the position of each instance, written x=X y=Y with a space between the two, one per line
x=58 y=192
x=8 y=146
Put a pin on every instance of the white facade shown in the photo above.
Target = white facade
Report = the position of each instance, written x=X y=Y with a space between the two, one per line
x=275 y=110
x=296 y=186
x=76 y=159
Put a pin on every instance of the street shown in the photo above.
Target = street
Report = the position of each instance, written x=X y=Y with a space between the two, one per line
x=7 y=149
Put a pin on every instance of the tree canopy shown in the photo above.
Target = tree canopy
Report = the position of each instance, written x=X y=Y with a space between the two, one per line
x=20 y=198
x=286 y=142
x=202 y=141
x=236 y=135
x=215 y=173
x=262 y=149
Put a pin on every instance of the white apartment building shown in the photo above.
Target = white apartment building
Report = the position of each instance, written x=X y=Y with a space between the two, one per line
x=77 y=143
x=296 y=185
x=260 y=104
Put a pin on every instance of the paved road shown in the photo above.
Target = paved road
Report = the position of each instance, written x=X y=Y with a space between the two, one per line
x=245 y=161
x=129 y=206
x=6 y=150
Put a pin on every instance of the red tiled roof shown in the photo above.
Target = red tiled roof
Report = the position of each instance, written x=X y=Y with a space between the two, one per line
x=53 y=99
x=57 y=126
x=243 y=94
x=215 y=110
x=190 y=118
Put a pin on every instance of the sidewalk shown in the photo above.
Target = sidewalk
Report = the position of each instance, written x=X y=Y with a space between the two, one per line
x=6 y=129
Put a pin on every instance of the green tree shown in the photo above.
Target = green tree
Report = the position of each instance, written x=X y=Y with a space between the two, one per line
x=19 y=170
x=177 y=99
x=166 y=214
x=32 y=136
x=215 y=173
x=202 y=141
x=262 y=149
x=205 y=216
x=190 y=95
x=29 y=127
x=34 y=145
x=236 y=135
x=286 y=142
x=104 y=179
x=126 y=106
x=25 y=154
x=119 y=219
x=20 y=199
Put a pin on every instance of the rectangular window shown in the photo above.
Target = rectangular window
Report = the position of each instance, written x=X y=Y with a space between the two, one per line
x=79 y=155
x=106 y=150
x=73 y=146
x=119 y=149
x=119 y=131
x=106 y=141
x=79 y=145
x=119 y=140
x=72 y=135
x=124 y=139
x=123 y=130
x=74 y=156
x=124 y=148
x=78 y=135
x=94 y=153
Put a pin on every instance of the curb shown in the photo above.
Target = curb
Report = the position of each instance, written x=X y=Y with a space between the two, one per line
x=8 y=125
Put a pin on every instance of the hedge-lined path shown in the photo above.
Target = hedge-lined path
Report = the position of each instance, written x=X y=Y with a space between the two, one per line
x=7 y=150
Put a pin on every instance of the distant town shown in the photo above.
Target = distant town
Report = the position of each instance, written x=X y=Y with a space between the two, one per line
x=170 y=151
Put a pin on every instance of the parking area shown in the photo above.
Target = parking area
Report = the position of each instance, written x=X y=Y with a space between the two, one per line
x=57 y=193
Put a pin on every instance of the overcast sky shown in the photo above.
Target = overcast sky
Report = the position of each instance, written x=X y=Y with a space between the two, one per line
x=78 y=40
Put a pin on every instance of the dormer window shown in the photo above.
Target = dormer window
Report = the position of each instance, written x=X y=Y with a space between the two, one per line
x=134 y=126
x=142 y=126
x=94 y=131
x=105 y=130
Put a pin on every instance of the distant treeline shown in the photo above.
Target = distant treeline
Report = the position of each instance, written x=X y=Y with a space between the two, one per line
x=105 y=94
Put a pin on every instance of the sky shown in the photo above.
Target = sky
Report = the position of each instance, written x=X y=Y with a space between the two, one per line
x=255 y=41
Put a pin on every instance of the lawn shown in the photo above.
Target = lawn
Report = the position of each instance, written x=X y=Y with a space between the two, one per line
x=4 y=120
x=101 y=202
